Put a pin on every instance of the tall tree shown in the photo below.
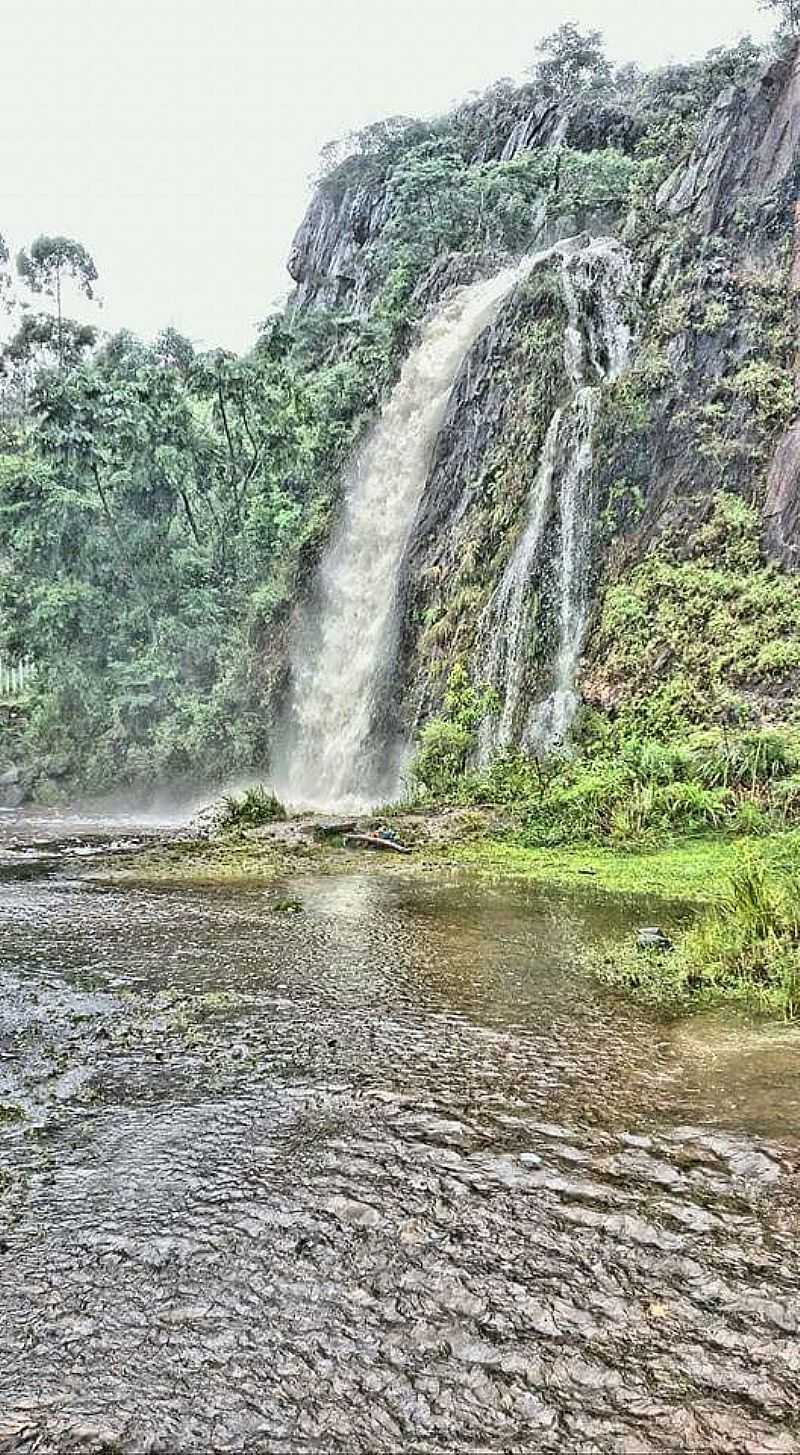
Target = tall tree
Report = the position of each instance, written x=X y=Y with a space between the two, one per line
x=572 y=61
x=788 y=13
x=50 y=261
x=5 y=275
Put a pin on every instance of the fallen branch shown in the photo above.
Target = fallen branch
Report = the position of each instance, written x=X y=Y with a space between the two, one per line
x=374 y=841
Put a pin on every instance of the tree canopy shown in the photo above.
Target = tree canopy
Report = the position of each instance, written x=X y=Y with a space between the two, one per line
x=572 y=61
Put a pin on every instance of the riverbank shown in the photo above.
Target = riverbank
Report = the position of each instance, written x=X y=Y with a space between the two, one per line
x=480 y=841
x=739 y=945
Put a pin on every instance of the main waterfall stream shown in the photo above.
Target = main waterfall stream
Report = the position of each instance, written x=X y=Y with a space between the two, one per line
x=334 y=750
x=388 y=1175
x=343 y=651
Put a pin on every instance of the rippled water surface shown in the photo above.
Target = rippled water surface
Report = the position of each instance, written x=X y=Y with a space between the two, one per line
x=387 y=1174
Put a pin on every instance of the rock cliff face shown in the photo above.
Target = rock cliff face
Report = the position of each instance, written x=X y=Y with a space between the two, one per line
x=747 y=158
x=330 y=251
x=327 y=257
x=782 y=507
x=704 y=403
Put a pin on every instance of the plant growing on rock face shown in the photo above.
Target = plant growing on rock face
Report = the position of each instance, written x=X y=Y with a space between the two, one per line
x=441 y=758
x=446 y=742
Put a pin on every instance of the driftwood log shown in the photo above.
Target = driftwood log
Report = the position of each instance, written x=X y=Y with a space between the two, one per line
x=373 y=841
x=331 y=828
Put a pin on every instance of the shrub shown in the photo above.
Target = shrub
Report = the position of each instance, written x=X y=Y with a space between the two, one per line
x=441 y=757
x=250 y=809
x=750 y=943
x=746 y=949
x=750 y=819
x=748 y=760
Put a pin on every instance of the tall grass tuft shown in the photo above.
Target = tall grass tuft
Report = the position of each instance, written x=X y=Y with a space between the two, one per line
x=746 y=949
x=750 y=943
x=251 y=809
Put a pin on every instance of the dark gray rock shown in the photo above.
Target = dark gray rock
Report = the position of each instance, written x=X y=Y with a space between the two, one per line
x=327 y=260
x=747 y=155
x=782 y=508
x=590 y=127
x=538 y=127
x=10 y=777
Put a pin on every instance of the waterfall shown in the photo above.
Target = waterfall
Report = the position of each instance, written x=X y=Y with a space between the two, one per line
x=342 y=653
x=596 y=282
x=550 y=722
x=501 y=630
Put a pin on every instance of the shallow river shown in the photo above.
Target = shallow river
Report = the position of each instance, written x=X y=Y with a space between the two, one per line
x=386 y=1174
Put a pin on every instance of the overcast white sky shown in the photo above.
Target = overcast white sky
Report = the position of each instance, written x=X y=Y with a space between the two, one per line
x=175 y=138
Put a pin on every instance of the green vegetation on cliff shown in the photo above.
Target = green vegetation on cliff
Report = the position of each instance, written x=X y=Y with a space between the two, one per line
x=162 y=510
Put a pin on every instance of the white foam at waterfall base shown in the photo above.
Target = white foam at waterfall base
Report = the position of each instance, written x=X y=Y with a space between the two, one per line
x=344 y=645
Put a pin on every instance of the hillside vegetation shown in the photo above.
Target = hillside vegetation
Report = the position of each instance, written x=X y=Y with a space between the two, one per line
x=161 y=510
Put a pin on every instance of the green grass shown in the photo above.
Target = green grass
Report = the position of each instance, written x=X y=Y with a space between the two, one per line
x=251 y=809
x=692 y=870
x=745 y=949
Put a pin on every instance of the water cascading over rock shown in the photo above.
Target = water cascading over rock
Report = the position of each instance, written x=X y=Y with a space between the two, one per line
x=598 y=284
x=329 y=753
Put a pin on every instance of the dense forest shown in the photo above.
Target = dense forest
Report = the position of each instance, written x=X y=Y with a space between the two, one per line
x=162 y=510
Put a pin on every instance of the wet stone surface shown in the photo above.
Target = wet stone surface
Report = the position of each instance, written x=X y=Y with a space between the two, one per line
x=386 y=1174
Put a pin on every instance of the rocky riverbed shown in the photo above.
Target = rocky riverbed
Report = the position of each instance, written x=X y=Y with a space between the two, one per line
x=388 y=1172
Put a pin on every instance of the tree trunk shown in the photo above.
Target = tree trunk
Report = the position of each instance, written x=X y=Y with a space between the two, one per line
x=60 y=332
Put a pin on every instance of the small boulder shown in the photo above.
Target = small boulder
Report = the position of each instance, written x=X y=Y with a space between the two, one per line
x=13 y=796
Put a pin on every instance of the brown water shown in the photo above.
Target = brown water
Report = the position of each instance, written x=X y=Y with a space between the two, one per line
x=388 y=1174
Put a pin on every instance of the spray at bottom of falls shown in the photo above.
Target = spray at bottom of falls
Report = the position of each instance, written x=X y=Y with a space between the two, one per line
x=342 y=653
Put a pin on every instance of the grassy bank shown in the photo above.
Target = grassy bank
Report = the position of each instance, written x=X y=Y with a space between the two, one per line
x=692 y=870
x=745 y=949
x=744 y=945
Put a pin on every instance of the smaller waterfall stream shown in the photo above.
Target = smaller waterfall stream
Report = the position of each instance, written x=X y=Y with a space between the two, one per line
x=504 y=623
x=596 y=281
x=550 y=722
x=343 y=651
